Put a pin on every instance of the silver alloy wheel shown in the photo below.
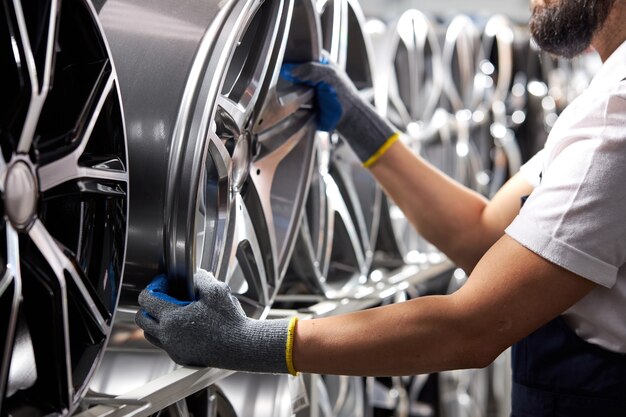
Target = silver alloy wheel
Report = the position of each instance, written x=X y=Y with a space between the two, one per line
x=350 y=205
x=225 y=126
x=64 y=185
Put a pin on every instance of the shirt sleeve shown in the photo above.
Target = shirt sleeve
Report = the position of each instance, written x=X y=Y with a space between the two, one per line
x=576 y=217
x=531 y=170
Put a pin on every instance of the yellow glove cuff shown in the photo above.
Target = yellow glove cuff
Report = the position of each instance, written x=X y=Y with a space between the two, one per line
x=291 y=330
x=385 y=146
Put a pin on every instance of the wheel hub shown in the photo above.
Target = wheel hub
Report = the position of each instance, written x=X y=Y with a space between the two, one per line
x=20 y=194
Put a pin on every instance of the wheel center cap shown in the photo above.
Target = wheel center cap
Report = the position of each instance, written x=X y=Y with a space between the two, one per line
x=20 y=195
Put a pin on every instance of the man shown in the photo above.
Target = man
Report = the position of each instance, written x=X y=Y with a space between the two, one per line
x=549 y=279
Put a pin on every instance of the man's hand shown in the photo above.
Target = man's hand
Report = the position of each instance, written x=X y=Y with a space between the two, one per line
x=340 y=107
x=213 y=330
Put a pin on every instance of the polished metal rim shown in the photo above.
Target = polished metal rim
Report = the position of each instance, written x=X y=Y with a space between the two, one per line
x=64 y=184
x=229 y=129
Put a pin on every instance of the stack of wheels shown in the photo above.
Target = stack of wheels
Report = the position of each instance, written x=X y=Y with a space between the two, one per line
x=338 y=232
x=236 y=143
x=64 y=185
x=409 y=90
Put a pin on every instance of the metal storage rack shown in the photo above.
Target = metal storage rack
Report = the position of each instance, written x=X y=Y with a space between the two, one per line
x=184 y=381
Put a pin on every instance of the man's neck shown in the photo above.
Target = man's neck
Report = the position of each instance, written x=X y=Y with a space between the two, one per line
x=613 y=33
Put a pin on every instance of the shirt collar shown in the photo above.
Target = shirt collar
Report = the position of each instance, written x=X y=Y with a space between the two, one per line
x=613 y=70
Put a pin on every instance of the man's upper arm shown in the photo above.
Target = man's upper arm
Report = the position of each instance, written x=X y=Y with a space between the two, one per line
x=505 y=205
x=511 y=292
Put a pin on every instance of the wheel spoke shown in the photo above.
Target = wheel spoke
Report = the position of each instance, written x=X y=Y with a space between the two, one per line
x=69 y=168
x=347 y=262
x=247 y=274
x=250 y=66
x=61 y=264
x=284 y=104
x=10 y=296
x=276 y=143
x=38 y=93
x=213 y=209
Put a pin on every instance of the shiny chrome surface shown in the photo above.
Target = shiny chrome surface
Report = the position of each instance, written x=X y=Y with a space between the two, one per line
x=64 y=184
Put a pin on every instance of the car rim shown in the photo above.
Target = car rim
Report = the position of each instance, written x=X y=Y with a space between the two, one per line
x=64 y=186
x=240 y=136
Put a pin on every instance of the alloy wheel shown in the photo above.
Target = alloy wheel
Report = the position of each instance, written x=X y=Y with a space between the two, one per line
x=64 y=184
x=231 y=130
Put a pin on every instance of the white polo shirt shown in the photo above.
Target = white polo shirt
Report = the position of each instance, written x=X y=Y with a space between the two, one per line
x=576 y=215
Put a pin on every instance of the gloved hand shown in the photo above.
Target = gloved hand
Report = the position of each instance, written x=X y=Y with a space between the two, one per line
x=340 y=107
x=213 y=330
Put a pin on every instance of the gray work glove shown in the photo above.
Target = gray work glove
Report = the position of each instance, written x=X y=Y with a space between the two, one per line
x=340 y=107
x=213 y=330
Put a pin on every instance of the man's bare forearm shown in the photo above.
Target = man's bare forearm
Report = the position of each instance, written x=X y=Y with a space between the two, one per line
x=460 y=222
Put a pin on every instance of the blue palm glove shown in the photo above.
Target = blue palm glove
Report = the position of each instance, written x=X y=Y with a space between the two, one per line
x=340 y=107
x=213 y=330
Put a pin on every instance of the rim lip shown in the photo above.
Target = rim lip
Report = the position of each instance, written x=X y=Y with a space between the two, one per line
x=185 y=163
x=75 y=393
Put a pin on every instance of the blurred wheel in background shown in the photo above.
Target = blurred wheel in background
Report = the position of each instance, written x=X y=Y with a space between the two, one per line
x=410 y=94
x=64 y=185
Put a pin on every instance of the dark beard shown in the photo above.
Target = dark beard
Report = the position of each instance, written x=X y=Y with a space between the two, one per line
x=566 y=27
